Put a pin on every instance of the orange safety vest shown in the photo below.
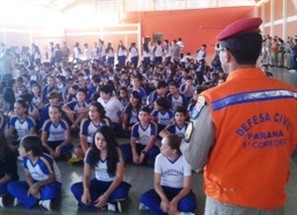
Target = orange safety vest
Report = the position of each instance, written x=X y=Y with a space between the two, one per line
x=255 y=118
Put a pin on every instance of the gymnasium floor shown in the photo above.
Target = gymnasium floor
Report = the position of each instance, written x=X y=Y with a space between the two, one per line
x=141 y=179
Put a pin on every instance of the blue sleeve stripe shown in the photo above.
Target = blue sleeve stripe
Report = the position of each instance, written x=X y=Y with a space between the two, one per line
x=256 y=96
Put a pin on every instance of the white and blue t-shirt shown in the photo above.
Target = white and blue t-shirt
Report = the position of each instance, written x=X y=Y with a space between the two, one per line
x=23 y=127
x=143 y=135
x=43 y=168
x=55 y=132
x=172 y=172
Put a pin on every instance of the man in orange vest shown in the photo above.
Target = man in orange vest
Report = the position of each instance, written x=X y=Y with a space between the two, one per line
x=244 y=131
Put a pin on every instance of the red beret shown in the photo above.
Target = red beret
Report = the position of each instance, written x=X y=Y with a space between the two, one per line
x=239 y=27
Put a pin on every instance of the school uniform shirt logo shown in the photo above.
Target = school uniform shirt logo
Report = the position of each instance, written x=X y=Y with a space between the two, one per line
x=198 y=107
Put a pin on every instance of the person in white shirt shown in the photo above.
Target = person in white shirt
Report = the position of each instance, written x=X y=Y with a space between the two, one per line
x=112 y=106
x=172 y=192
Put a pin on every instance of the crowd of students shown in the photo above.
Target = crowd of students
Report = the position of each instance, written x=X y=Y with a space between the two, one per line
x=146 y=102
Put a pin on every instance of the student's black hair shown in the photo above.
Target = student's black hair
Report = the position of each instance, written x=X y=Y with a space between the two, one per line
x=32 y=142
x=56 y=106
x=99 y=107
x=82 y=90
x=181 y=109
x=145 y=109
x=112 y=150
x=124 y=89
x=162 y=84
x=27 y=97
x=23 y=103
x=245 y=48
x=174 y=83
x=174 y=141
x=163 y=102
x=136 y=95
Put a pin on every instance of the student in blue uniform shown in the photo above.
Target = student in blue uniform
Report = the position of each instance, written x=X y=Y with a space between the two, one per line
x=162 y=113
x=88 y=128
x=130 y=113
x=8 y=168
x=175 y=97
x=53 y=99
x=42 y=176
x=107 y=188
x=142 y=148
x=55 y=134
x=179 y=126
x=21 y=123
x=76 y=110
x=172 y=192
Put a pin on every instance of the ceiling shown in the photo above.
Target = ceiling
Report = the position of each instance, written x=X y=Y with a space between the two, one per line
x=138 y=5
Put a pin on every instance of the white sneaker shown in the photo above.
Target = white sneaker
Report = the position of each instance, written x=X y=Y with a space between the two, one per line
x=2 y=202
x=15 y=202
x=142 y=207
x=46 y=204
x=115 y=207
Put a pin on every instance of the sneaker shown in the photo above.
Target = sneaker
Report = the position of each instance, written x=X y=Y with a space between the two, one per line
x=115 y=207
x=142 y=207
x=74 y=160
x=2 y=202
x=46 y=204
x=16 y=202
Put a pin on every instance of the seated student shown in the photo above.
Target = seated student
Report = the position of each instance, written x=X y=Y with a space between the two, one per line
x=8 y=168
x=88 y=128
x=162 y=113
x=50 y=86
x=36 y=93
x=179 y=127
x=53 y=99
x=42 y=176
x=188 y=88
x=172 y=182
x=107 y=188
x=75 y=111
x=33 y=110
x=136 y=83
x=70 y=93
x=142 y=148
x=55 y=134
x=123 y=95
x=112 y=106
x=130 y=113
x=20 y=125
x=161 y=91
x=175 y=97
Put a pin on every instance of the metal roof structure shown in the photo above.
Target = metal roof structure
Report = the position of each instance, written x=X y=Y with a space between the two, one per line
x=137 y=5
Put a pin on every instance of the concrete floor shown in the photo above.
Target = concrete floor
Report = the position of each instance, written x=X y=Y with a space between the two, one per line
x=142 y=179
